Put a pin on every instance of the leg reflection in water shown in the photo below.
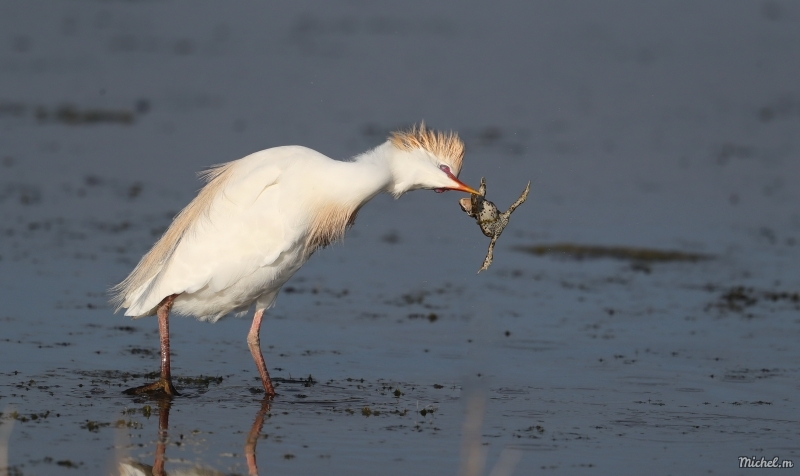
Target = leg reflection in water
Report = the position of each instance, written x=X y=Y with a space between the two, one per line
x=252 y=437
x=163 y=433
x=131 y=468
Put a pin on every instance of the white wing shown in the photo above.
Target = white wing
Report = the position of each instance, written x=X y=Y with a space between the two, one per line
x=248 y=225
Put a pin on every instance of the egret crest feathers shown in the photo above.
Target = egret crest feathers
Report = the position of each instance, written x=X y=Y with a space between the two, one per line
x=447 y=146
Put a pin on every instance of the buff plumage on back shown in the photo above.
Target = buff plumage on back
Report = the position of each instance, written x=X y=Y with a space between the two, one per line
x=447 y=146
x=329 y=224
x=151 y=263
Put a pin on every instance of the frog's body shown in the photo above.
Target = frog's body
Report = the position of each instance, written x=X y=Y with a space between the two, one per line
x=489 y=219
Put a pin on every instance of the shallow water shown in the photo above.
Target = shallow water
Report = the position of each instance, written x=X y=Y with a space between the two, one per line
x=645 y=130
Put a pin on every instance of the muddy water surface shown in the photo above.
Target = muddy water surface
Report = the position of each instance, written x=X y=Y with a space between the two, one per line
x=641 y=315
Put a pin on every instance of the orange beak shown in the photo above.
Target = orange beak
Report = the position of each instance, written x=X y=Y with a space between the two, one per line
x=461 y=187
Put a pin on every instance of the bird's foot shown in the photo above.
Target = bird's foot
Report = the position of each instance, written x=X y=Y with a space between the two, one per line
x=162 y=387
x=268 y=395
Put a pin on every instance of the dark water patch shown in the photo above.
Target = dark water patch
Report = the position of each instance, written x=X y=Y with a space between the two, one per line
x=646 y=381
x=114 y=376
x=109 y=227
x=62 y=305
x=671 y=426
x=782 y=108
x=371 y=315
x=532 y=345
x=627 y=253
x=391 y=237
x=657 y=403
x=568 y=436
x=745 y=375
x=68 y=463
x=143 y=351
x=26 y=417
x=505 y=140
x=430 y=317
x=21 y=193
x=337 y=293
x=72 y=115
x=310 y=25
x=309 y=352
x=729 y=151
x=512 y=391
x=532 y=432
x=309 y=381
x=201 y=381
x=739 y=299
x=116 y=381
x=42 y=345
x=93 y=184
x=411 y=298
x=69 y=114
x=426 y=297
x=539 y=446
x=14 y=109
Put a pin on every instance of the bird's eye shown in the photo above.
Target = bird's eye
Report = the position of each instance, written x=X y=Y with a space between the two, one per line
x=446 y=169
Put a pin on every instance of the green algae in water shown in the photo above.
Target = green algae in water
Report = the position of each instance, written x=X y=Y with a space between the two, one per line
x=94 y=426
x=581 y=252
x=367 y=411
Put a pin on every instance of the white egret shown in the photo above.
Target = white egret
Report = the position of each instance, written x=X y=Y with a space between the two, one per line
x=258 y=220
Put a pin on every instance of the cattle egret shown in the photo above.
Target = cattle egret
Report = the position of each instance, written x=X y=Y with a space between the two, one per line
x=258 y=220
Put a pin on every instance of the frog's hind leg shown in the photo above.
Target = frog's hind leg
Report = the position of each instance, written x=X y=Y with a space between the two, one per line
x=520 y=200
x=489 y=255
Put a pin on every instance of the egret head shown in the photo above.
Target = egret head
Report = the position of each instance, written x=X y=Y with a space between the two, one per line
x=431 y=160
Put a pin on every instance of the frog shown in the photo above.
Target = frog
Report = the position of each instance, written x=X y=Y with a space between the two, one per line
x=491 y=221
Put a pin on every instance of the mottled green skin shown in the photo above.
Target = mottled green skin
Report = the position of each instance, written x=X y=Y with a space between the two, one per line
x=489 y=218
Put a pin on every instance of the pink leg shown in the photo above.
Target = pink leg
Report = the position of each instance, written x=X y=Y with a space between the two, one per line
x=252 y=438
x=164 y=384
x=254 y=342
x=163 y=330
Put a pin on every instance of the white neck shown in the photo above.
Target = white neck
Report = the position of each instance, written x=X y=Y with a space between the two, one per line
x=346 y=186
x=389 y=166
x=355 y=182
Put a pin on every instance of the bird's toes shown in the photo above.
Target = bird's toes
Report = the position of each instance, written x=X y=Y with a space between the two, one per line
x=160 y=388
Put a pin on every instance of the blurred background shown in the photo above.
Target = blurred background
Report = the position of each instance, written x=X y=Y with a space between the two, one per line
x=671 y=118
x=669 y=125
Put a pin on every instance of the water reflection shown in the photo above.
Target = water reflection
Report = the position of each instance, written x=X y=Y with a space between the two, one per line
x=136 y=468
x=6 y=425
